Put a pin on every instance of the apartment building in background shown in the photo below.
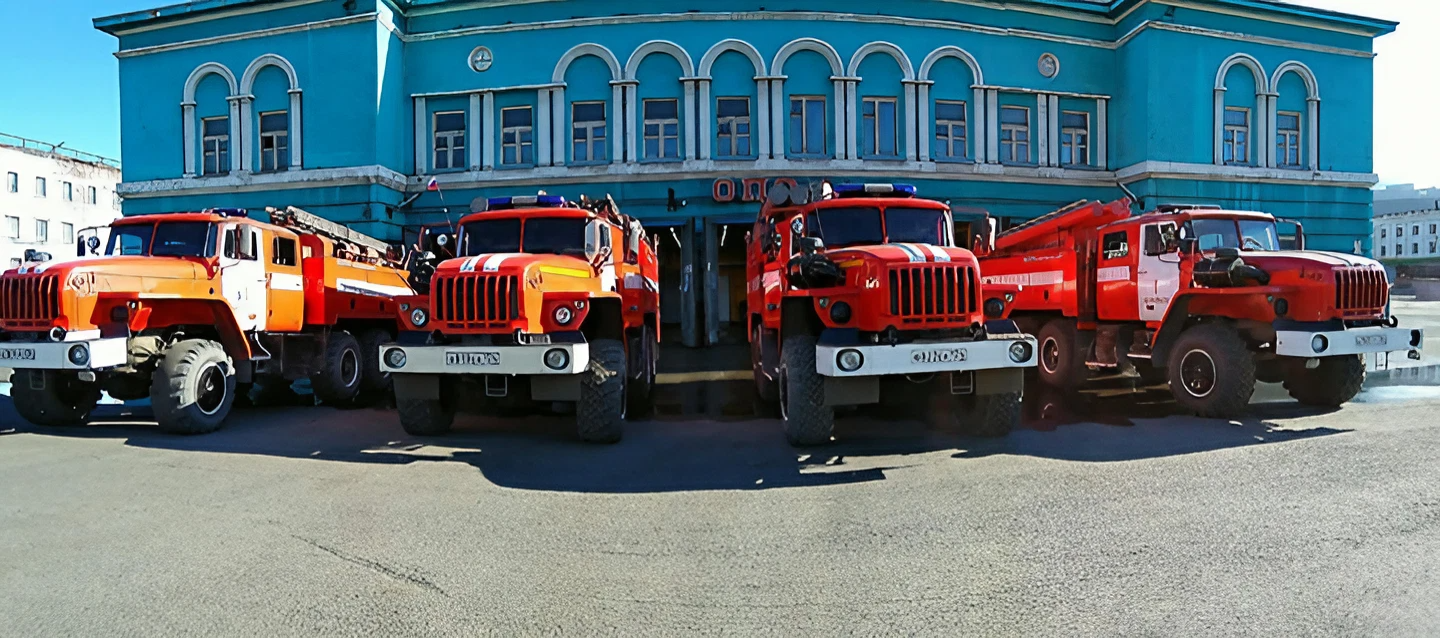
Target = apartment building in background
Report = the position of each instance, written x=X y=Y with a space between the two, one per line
x=49 y=194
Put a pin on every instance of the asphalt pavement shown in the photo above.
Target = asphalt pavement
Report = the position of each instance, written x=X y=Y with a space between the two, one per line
x=316 y=521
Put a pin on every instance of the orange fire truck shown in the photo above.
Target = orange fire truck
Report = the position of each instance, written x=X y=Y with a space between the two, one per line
x=185 y=308
x=858 y=294
x=1202 y=298
x=546 y=301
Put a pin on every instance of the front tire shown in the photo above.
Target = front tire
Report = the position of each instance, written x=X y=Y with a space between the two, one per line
x=808 y=421
x=600 y=413
x=61 y=398
x=1212 y=372
x=1061 y=364
x=988 y=415
x=1333 y=383
x=338 y=381
x=193 y=388
x=373 y=380
x=425 y=417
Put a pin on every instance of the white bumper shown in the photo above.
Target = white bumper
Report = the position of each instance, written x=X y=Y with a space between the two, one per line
x=55 y=355
x=1299 y=343
x=457 y=359
x=924 y=358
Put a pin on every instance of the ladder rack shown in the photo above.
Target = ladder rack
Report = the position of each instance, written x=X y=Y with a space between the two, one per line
x=359 y=245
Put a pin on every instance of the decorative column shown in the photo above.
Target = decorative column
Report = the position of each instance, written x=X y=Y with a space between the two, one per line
x=473 y=137
x=1219 y=132
x=1312 y=133
x=763 y=109
x=542 y=128
x=297 y=133
x=978 y=126
x=689 y=87
x=922 y=120
x=707 y=136
x=1042 y=126
x=631 y=92
x=992 y=126
x=487 y=133
x=614 y=126
x=558 y=134
x=1054 y=126
x=844 y=117
x=242 y=143
x=777 y=119
x=238 y=131
x=187 y=111
x=422 y=143
x=1100 y=146
x=912 y=120
x=1260 y=141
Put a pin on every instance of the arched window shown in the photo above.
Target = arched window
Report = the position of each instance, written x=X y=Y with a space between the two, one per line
x=951 y=111
x=807 y=97
x=1296 y=117
x=739 y=127
x=1242 y=93
x=664 y=98
x=588 y=107
x=883 y=99
x=210 y=115
x=270 y=116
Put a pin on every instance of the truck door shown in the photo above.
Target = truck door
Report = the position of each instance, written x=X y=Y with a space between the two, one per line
x=286 y=298
x=1159 y=273
x=1115 y=298
x=242 y=275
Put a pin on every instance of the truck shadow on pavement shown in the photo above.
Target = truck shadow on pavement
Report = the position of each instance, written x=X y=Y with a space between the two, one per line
x=541 y=453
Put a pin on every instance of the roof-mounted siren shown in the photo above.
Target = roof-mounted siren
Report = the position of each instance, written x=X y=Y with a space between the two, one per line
x=874 y=190
x=1176 y=208
x=522 y=201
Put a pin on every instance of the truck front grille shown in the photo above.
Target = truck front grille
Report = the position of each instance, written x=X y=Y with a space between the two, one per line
x=476 y=301
x=1361 y=291
x=932 y=293
x=29 y=301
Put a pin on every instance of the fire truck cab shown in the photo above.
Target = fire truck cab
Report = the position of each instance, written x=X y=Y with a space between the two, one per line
x=858 y=295
x=1202 y=298
x=547 y=301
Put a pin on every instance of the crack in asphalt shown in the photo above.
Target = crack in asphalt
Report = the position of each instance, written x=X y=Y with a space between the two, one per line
x=418 y=581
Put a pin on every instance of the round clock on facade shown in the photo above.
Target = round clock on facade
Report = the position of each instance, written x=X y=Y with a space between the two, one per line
x=1049 y=65
x=481 y=58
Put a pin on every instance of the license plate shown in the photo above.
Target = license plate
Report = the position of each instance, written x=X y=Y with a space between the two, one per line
x=939 y=355
x=1371 y=340
x=472 y=358
x=17 y=354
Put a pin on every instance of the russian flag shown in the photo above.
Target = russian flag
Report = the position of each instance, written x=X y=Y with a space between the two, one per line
x=433 y=185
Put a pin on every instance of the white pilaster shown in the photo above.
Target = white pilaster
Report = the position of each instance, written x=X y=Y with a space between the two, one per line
x=238 y=131
x=473 y=138
x=1100 y=146
x=1054 y=126
x=911 y=120
x=615 y=128
x=778 y=118
x=1312 y=133
x=187 y=111
x=763 y=108
x=850 y=149
x=241 y=143
x=630 y=122
x=542 y=128
x=1260 y=141
x=1219 y=132
x=922 y=122
x=689 y=115
x=844 y=108
x=992 y=126
x=297 y=131
x=422 y=139
x=488 y=128
x=1042 y=130
x=707 y=135
x=977 y=127
x=559 y=136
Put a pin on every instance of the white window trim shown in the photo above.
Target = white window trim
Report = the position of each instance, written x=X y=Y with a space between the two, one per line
x=67 y=191
x=734 y=121
x=950 y=130
x=274 y=136
x=12 y=182
x=205 y=141
x=518 y=145
x=1012 y=129
x=1230 y=130
x=42 y=187
x=1076 y=147
x=450 y=136
x=875 y=139
x=12 y=221
x=660 y=137
x=67 y=232
x=1294 y=136
x=42 y=231
x=93 y=194
x=589 y=126
x=805 y=125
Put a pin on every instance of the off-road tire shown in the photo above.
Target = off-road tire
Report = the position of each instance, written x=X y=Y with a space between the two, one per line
x=338 y=380
x=64 y=399
x=600 y=413
x=373 y=380
x=186 y=388
x=988 y=415
x=1067 y=369
x=426 y=417
x=1335 y=382
x=640 y=390
x=1231 y=370
x=807 y=420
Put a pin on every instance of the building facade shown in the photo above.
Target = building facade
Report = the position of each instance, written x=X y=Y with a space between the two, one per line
x=49 y=195
x=1406 y=221
x=349 y=108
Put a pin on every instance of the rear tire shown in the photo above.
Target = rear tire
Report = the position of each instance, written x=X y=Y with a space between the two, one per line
x=373 y=380
x=1335 y=382
x=600 y=414
x=1212 y=372
x=338 y=381
x=193 y=388
x=425 y=417
x=640 y=391
x=808 y=421
x=61 y=399
x=988 y=415
x=1061 y=365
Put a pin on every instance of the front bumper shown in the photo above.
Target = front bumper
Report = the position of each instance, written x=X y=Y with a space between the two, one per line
x=99 y=354
x=1301 y=343
x=461 y=359
x=925 y=358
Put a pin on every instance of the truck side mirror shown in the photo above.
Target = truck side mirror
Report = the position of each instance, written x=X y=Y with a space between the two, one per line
x=32 y=255
x=597 y=242
x=248 y=246
x=811 y=245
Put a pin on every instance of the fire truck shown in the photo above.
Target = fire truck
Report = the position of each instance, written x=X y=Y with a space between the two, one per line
x=189 y=309
x=547 y=301
x=859 y=295
x=1206 y=300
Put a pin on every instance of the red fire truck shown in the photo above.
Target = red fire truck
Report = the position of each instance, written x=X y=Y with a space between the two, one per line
x=858 y=294
x=1202 y=298
x=536 y=308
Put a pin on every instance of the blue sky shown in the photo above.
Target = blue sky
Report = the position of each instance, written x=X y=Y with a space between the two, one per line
x=60 y=82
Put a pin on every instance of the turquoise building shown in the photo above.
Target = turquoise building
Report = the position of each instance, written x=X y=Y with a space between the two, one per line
x=685 y=114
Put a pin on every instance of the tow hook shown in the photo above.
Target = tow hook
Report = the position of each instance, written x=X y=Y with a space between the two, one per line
x=601 y=374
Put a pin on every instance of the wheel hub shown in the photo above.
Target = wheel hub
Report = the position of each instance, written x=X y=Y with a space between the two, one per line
x=210 y=391
x=1050 y=355
x=1197 y=373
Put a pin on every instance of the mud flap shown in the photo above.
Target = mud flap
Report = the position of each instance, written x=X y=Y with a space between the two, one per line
x=999 y=381
x=419 y=387
x=554 y=387
x=851 y=390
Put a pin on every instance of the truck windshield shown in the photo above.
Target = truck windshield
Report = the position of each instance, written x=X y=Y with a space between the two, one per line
x=858 y=225
x=166 y=239
x=555 y=235
x=1245 y=234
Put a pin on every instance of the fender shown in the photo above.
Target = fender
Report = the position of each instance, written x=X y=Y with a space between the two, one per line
x=166 y=313
x=1231 y=303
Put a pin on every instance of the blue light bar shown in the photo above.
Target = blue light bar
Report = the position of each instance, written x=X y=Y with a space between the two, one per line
x=873 y=190
x=228 y=212
x=540 y=201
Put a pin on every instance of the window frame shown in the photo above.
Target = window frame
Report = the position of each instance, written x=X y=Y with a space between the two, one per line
x=520 y=145
x=450 y=137
x=67 y=232
x=12 y=182
x=803 y=129
x=1230 y=135
x=42 y=188
x=67 y=191
x=950 y=137
x=12 y=226
x=42 y=231
x=276 y=253
x=93 y=194
x=1069 y=140
x=279 y=151
x=730 y=149
x=222 y=147
x=660 y=136
x=1287 y=140
x=589 y=126
x=1011 y=130
x=875 y=136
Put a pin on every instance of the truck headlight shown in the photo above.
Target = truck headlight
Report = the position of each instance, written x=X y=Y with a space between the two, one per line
x=1319 y=343
x=849 y=360
x=419 y=317
x=79 y=355
x=395 y=358
x=994 y=308
x=563 y=315
x=1020 y=351
x=840 y=312
x=557 y=359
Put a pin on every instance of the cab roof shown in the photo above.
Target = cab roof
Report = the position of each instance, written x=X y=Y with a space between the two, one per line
x=523 y=213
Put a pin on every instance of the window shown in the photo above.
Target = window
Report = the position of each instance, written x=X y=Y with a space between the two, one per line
x=517 y=147
x=1432 y=229
x=14 y=262
x=1382 y=251
x=1415 y=230
x=733 y=126
x=1415 y=249
x=12 y=227
x=67 y=191
x=1399 y=231
x=215 y=146
x=807 y=125
x=283 y=252
x=67 y=231
x=1287 y=139
x=877 y=127
x=1399 y=249
x=588 y=121
x=449 y=140
x=662 y=129
x=42 y=231
x=40 y=187
x=1382 y=233
x=274 y=141
x=950 y=131
x=1115 y=245
x=1015 y=134
x=1074 y=138
x=12 y=183
x=90 y=195
x=1237 y=135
